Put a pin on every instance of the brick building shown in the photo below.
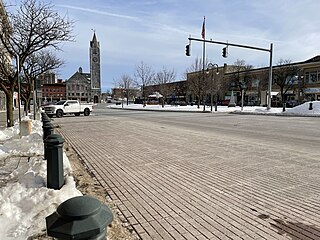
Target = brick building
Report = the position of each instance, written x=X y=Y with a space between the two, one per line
x=53 y=92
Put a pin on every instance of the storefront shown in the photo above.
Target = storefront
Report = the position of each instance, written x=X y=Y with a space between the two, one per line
x=311 y=94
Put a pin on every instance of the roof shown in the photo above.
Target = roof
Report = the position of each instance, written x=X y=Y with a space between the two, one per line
x=314 y=59
x=77 y=76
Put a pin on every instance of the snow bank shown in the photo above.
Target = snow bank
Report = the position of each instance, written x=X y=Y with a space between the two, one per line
x=303 y=109
x=25 y=200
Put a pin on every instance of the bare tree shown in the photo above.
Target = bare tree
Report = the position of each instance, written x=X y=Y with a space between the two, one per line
x=162 y=78
x=284 y=76
x=240 y=73
x=125 y=82
x=35 y=65
x=33 y=26
x=240 y=76
x=144 y=76
x=197 y=80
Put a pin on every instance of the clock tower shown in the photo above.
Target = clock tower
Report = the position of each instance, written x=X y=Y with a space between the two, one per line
x=95 y=79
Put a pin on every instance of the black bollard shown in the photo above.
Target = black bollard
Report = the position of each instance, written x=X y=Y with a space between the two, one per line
x=48 y=129
x=310 y=106
x=54 y=155
x=283 y=107
x=82 y=217
x=44 y=117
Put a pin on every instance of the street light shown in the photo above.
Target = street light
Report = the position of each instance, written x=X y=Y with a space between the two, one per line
x=19 y=91
x=210 y=67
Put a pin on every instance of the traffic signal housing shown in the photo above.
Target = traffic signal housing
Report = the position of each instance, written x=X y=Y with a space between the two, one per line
x=188 y=50
x=224 y=52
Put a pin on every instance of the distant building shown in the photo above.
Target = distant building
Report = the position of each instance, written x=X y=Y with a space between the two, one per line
x=86 y=87
x=121 y=93
x=47 y=78
x=172 y=92
x=54 y=92
x=305 y=86
x=78 y=86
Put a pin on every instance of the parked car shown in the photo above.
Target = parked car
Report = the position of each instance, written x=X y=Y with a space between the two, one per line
x=64 y=107
x=292 y=103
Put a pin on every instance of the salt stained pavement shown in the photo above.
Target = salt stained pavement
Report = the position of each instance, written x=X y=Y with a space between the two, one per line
x=25 y=201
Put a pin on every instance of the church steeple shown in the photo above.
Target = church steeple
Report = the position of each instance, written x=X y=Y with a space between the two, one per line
x=94 y=42
x=95 y=77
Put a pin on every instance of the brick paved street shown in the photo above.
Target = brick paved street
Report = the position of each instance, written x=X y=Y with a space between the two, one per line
x=172 y=182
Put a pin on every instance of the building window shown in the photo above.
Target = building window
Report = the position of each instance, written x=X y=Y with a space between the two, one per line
x=312 y=77
x=255 y=82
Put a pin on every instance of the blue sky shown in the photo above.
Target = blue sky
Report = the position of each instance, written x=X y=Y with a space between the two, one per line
x=156 y=33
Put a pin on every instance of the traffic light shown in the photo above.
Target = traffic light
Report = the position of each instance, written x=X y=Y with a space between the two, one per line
x=224 y=52
x=188 y=50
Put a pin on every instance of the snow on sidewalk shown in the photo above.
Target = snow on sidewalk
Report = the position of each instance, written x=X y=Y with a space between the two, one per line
x=25 y=200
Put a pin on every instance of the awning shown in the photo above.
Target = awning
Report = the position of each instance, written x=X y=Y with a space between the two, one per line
x=273 y=93
x=312 y=90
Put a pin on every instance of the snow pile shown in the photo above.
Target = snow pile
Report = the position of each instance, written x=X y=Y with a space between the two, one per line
x=303 y=109
x=25 y=200
x=195 y=108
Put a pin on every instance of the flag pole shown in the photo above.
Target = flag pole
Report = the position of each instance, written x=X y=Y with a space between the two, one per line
x=204 y=42
x=203 y=34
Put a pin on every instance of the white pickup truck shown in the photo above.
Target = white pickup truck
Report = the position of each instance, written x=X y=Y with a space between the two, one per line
x=64 y=107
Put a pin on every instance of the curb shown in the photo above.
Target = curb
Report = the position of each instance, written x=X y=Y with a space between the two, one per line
x=156 y=110
x=235 y=112
x=283 y=114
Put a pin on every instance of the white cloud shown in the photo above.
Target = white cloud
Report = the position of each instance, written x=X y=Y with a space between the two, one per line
x=157 y=32
x=96 y=11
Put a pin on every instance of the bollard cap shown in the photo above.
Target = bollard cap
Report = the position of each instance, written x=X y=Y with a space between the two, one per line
x=80 y=217
x=79 y=207
x=54 y=139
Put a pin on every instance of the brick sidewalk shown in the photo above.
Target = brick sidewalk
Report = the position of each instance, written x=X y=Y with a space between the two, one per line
x=171 y=183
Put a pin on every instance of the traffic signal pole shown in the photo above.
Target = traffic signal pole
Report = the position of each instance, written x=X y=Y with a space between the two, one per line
x=270 y=50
